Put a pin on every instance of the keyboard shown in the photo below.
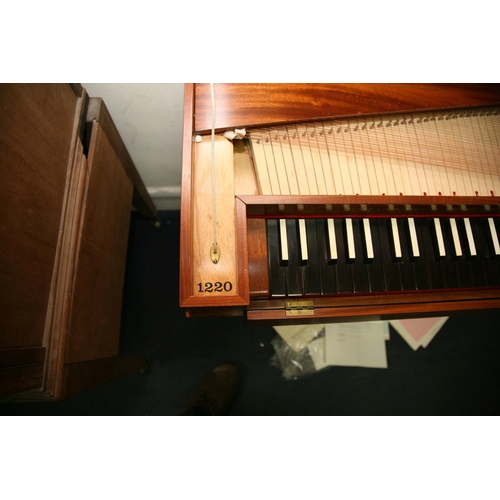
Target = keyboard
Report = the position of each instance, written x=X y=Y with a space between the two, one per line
x=360 y=255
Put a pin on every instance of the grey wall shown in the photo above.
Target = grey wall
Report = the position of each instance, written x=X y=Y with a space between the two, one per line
x=149 y=119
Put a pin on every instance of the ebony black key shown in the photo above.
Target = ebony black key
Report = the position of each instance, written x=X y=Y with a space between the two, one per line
x=429 y=252
x=375 y=266
x=327 y=266
x=407 y=264
x=462 y=263
x=485 y=250
x=495 y=234
x=421 y=270
x=359 y=267
x=390 y=266
x=450 y=261
x=311 y=269
x=293 y=271
x=344 y=274
x=392 y=273
x=475 y=262
x=497 y=224
x=277 y=283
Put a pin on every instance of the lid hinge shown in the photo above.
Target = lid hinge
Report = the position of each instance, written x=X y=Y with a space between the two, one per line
x=299 y=308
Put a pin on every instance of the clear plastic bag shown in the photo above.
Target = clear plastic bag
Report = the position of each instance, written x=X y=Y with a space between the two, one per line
x=295 y=364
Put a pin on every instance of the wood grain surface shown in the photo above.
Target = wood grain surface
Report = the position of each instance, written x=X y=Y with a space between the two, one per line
x=245 y=105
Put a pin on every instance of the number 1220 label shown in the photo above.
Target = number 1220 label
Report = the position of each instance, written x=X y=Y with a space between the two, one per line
x=218 y=286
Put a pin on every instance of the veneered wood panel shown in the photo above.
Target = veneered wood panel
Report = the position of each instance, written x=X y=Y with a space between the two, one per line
x=36 y=133
x=141 y=200
x=94 y=325
x=245 y=104
x=24 y=356
x=13 y=380
x=257 y=258
x=204 y=270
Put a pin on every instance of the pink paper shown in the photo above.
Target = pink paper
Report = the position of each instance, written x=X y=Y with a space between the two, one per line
x=418 y=332
x=418 y=328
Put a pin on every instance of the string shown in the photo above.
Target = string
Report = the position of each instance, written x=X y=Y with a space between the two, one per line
x=387 y=129
x=411 y=189
x=351 y=133
x=461 y=141
x=298 y=159
x=334 y=184
x=382 y=177
x=445 y=164
x=214 y=206
x=497 y=139
x=475 y=129
x=295 y=185
x=425 y=158
x=370 y=189
x=490 y=142
x=342 y=132
x=335 y=147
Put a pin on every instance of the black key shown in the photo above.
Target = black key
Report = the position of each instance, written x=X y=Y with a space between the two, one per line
x=375 y=267
x=485 y=250
x=429 y=252
x=311 y=269
x=277 y=283
x=344 y=274
x=293 y=271
x=327 y=266
x=420 y=265
x=495 y=235
x=359 y=267
x=462 y=263
x=390 y=266
x=475 y=262
x=449 y=260
x=497 y=225
x=407 y=265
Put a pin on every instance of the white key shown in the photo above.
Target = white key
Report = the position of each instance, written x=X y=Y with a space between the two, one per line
x=470 y=237
x=494 y=236
x=303 y=240
x=439 y=237
x=415 y=251
x=368 y=239
x=332 y=241
x=351 y=253
x=395 y=238
x=456 y=238
x=283 y=241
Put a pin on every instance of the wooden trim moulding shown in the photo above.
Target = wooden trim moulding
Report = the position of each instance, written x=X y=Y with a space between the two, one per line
x=372 y=312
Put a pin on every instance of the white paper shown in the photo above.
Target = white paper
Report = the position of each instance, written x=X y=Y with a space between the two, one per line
x=357 y=344
x=298 y=336
x=317 y=353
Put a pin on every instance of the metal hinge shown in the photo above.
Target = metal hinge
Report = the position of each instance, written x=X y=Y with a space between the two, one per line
x=299 y=308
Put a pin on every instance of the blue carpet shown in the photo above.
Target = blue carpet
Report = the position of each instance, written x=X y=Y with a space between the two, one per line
x=458 y=373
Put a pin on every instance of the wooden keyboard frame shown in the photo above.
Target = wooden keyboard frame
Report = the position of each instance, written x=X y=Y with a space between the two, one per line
x=238 y=107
